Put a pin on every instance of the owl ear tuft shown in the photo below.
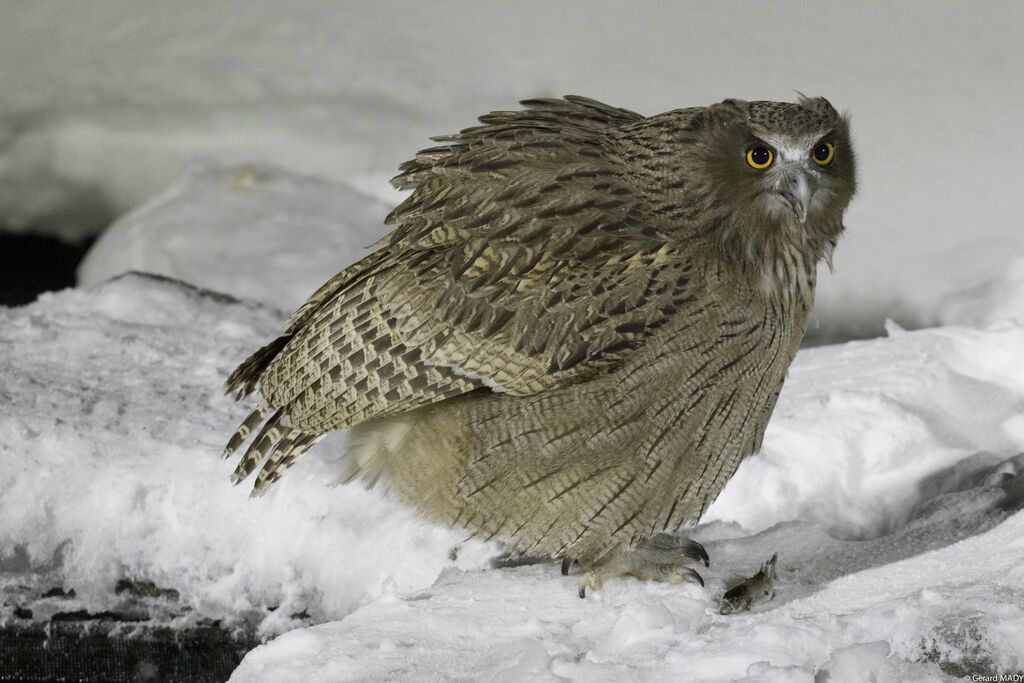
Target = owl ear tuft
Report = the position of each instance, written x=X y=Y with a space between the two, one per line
x=725 y=113
x=818 y=105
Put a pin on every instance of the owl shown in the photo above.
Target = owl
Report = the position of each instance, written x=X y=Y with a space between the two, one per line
x=577 y=329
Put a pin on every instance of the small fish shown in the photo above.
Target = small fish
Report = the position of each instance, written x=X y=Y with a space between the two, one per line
x=750 y=592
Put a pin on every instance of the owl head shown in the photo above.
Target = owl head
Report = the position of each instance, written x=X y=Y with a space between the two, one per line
x=782 y=162
x=757 y=176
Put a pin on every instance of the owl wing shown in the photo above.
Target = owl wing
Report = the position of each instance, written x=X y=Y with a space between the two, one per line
x=520 y=262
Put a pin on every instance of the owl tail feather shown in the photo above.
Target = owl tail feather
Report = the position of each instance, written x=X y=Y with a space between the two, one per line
x=285 y=454
x=272 y=432
x=277 y=445
x=244 y=380
x=241 y=434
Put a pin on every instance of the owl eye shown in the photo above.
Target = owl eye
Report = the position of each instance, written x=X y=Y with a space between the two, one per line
x=760 y=157
x=823 y=153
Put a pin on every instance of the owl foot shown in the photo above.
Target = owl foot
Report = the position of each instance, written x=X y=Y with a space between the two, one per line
x=663 y=557
x=510 y=560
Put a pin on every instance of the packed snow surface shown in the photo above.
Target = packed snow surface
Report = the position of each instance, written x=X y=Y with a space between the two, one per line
x=104 y=105
x=888 y=485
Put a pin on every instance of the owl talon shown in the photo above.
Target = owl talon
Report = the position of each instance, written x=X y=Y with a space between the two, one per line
x=668 y=548
x=692 y=576
x=663 y=557
x=592 y=580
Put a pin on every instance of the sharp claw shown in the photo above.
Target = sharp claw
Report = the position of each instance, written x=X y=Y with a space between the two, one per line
x=594 y=581
x=566 y=563
x=694 y=575
x=667 y=543
x=696 y=551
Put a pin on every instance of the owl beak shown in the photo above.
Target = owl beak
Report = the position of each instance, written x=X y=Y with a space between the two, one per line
x=797 y=193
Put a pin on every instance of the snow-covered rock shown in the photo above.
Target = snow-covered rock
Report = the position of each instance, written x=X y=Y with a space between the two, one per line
x=888 y=485
x=112 y=421
x=251 y=231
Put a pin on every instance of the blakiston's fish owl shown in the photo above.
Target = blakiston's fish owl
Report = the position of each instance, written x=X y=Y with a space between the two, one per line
x=577 y=329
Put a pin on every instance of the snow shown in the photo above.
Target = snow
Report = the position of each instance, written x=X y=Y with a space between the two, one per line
x=113 y=418
x=885 y=415
x=888 y=484
x=252 y=231
x=104 y=107
x=990 y=302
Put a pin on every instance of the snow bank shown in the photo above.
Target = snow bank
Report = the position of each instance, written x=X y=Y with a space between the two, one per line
x=865 y=431
x=112 y=419
x=114 y=101
x=958 y=610
x=887 y=484
x=251 y=231
x=991 y=302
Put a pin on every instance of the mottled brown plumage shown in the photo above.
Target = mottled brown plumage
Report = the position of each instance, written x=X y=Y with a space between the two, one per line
x=579 y=326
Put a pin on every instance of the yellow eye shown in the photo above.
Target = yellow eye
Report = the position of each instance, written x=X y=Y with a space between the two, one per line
x=823 y=153
x=760 y=157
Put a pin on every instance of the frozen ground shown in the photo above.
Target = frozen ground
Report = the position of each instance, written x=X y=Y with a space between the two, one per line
x=888 y=485
x=105 y=105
